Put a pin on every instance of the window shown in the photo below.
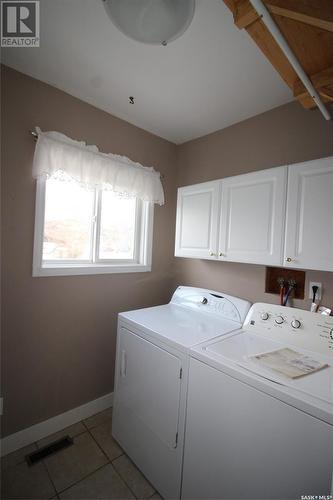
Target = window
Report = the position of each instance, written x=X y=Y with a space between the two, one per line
x=82 y=231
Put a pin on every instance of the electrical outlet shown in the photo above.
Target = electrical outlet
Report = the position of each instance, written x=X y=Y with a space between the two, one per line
x=318 y=294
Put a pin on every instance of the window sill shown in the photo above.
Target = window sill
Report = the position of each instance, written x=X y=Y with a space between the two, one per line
x=86 y=269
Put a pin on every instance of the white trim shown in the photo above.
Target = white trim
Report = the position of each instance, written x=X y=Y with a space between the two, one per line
x=39 y=431
x=97 y=235
x=39 y=226
x=147 y=233
x=143 y=243
x=139 y=234
x=90 y=269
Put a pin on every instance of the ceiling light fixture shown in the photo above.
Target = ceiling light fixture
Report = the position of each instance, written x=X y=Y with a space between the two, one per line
x=151 y=21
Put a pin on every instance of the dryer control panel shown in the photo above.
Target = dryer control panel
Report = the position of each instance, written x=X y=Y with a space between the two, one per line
x=212 y=302
x=303 y=329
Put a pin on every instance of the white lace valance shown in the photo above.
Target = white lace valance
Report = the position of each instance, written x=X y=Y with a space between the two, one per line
x=85 y=164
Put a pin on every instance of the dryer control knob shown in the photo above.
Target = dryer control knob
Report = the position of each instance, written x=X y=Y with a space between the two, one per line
x=296 y=323
x=279 y=320
x=264 y=316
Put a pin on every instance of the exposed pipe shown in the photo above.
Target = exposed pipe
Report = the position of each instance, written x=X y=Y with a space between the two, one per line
x=281 y=41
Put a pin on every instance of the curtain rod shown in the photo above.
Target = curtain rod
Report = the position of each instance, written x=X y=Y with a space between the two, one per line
x=35 y=136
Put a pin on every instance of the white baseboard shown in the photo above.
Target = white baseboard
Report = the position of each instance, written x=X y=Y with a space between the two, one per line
x=39 y=431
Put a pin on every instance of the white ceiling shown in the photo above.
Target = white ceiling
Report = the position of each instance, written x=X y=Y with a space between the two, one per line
x=211 y=77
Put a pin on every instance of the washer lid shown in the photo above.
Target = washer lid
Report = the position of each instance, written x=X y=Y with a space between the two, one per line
x=179 y=326
x=242 y=345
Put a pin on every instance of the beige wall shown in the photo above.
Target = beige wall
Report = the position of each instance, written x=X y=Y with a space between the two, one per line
x=284 y=135
x=58 y=337
x=59 y=333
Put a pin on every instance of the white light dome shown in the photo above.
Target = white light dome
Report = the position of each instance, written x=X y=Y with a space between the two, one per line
x=151 y=21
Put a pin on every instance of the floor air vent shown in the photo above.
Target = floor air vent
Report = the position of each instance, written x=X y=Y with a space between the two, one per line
x=50 y=449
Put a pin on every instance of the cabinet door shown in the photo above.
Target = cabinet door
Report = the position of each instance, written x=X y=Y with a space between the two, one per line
x=309 y=235
x=252 y=217
x=196 y=225
x=148 y=387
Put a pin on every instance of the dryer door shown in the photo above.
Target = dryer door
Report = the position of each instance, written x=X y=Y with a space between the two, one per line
x=148 y=385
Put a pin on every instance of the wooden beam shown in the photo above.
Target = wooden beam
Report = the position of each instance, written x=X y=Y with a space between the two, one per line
x=272 y=51
x=230 y=4
x=310 y=44
x=324 y=24
x=326 y=94
x=322 y=79
x=308 y=103
x=245 y=14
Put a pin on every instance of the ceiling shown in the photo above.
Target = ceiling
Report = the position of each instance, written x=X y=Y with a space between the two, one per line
x=211 y=77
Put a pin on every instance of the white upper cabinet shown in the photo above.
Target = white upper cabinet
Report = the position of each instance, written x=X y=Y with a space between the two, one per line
x=197 y=225
x=252 y=217
x=280 y=216
x=309 y=234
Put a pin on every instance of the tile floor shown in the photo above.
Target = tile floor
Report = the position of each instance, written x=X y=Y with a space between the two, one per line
x=95 y=467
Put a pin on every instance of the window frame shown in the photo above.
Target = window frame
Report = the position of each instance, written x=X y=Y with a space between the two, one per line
x=142 y=246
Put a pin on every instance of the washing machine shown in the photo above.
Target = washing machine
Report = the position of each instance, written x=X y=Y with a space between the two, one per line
x=260 y=410
x=151 y=377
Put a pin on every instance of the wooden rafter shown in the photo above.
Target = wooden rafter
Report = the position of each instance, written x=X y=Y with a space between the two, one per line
x=301 y=17
x=327 y=94
x=246 y=15
x=321 y=80
x=307 y=25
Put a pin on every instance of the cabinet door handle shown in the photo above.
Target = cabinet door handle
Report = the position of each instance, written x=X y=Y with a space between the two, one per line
x=288 y=259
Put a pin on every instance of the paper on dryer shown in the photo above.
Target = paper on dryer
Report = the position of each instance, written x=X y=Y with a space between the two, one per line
x=289 y=362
